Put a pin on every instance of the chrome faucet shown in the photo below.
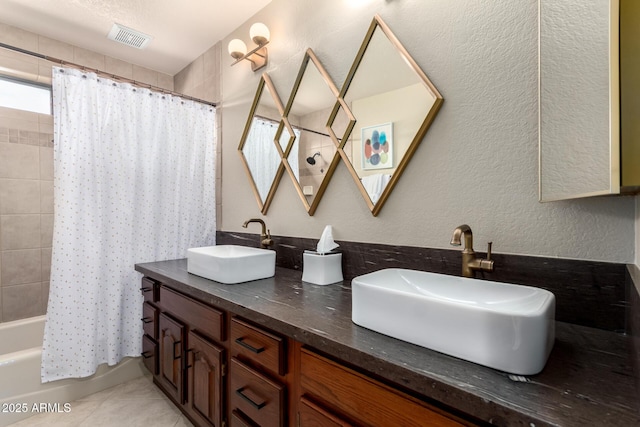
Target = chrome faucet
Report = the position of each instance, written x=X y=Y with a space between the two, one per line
x=265 y=235
x=470 y=264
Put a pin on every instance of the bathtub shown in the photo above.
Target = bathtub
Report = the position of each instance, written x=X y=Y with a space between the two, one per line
x=20 y=386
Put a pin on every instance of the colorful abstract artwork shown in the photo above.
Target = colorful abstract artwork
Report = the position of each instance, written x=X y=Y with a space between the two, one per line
x=377 y=146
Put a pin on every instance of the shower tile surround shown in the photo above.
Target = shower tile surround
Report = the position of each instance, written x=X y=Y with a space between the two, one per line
x=26 y=170
x=26 y=213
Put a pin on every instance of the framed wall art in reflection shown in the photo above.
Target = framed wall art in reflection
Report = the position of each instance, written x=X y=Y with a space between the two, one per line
x=377 y=146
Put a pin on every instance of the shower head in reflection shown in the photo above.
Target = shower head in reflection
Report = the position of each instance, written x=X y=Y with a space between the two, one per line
x=312 y=160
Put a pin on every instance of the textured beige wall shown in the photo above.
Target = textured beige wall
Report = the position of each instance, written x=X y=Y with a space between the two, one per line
x=26 y=170
x=478 y=164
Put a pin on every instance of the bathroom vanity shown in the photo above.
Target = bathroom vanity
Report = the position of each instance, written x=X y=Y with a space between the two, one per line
x=278 y=351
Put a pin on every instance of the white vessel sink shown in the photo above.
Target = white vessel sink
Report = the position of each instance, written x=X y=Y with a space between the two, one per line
x=506 y=327
x=231 y=263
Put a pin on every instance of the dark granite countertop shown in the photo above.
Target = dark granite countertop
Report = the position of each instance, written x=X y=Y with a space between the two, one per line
x=588 y=379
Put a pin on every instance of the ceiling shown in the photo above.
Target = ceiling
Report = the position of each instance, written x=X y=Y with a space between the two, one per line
x=181 y=30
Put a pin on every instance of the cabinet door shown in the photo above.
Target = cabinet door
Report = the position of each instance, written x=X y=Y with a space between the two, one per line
x=171 y=342
x=204 y=372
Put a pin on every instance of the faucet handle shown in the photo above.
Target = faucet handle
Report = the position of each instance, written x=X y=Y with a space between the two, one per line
x=489 y=251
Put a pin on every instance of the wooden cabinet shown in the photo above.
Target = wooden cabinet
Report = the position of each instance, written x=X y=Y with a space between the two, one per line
x=205 y=371
x=312 y=415
x=184 y=348
x=257 y=392
x=150 y=354
x=258 y=377
x=261 y=347
x=171 y=356
x=150 y=291
x=203 y=318
x=256 y=396
x=333 y=394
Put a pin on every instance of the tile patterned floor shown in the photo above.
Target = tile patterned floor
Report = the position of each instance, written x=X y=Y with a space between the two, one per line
x=135 y=403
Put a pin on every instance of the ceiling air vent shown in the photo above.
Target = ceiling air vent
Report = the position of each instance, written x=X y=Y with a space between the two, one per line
x=129 y=37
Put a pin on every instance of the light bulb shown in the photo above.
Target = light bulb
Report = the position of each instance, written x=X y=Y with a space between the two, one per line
x=237 y=48
x=259 y=33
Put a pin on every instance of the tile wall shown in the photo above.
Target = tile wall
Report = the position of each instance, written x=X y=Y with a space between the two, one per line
x=26 y=212
x=26 y=170
x=312 y=143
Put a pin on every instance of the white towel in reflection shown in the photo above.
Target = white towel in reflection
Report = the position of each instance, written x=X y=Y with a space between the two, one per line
x=375 y=185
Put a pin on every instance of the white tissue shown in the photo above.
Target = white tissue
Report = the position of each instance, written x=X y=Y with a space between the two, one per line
x=326 y=243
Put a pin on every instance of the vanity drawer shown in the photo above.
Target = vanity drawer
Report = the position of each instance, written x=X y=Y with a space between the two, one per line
x=239 y=420
x=150 y=354
x=258 y=345
x=150 y=289
x=150 y=320
x=361 y=398
x=311 y=415
x=253 y=394
x=203 y=318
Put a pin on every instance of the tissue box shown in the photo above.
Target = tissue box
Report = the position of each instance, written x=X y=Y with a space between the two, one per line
x=321 y=269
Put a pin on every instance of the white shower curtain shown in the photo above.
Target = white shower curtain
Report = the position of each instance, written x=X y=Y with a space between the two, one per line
x=261 y=155
x=134 y=175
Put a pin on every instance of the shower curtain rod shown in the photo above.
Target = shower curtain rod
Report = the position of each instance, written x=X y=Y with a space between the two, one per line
x=293 y=126
x=105 y=74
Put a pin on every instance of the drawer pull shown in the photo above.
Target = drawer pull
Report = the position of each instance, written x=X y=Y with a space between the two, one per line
x=174 y=350
x=147 y=355
x=146 y=320
x=146 y=289
x=251 y=348
x=258 y=406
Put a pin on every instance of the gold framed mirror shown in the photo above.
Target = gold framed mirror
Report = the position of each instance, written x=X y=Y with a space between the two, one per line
x=263 y=143
x=312 y=156
x=393 y=102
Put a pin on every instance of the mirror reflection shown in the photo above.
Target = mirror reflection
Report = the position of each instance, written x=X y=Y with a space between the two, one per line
x=260 y=153
x=393 y=103
x=313 y=156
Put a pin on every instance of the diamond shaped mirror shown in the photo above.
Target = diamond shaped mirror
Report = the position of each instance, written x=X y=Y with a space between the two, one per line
x=263 y=144
x=312 y=157
x=393 y=103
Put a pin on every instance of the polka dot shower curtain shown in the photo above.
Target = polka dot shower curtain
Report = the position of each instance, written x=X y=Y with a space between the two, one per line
x=134 y=175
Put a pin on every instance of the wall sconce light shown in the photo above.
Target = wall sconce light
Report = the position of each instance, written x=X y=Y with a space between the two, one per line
x=258 y=57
